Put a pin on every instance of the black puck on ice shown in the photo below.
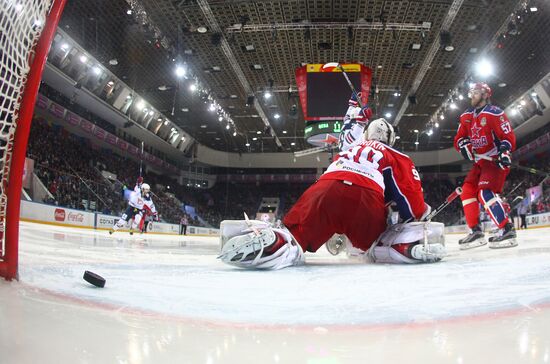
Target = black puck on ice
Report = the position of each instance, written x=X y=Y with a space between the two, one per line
x=94 y=279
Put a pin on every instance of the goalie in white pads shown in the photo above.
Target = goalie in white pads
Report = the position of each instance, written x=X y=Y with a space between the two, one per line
x=347 y=199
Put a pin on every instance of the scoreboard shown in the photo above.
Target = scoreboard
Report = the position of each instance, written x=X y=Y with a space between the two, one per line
x=324 y=97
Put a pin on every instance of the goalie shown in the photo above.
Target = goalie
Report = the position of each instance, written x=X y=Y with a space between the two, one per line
x=347 y=199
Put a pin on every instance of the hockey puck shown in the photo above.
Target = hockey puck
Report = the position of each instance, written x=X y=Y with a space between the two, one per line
x=94 y=279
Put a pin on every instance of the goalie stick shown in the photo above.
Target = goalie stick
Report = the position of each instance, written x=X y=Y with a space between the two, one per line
x=457 y=192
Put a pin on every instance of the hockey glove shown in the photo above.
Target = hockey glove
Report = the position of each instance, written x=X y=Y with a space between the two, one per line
x=362 y=115
x=353 y=99
x=466 y=148
x=139 y=181
x=504 y=160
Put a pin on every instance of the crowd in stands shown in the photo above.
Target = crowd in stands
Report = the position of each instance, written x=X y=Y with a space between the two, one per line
x=70 y=168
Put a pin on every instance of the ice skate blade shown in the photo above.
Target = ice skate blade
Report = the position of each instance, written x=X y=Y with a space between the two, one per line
x=473 y=244
x=508 y=243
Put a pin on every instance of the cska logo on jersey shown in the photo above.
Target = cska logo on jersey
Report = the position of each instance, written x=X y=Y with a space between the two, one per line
x=475 y=131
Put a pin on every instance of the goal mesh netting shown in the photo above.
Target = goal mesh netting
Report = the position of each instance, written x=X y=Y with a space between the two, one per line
x=21 y=24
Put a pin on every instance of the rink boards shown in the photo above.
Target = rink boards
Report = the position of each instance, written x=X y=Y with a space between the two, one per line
x=62 y=216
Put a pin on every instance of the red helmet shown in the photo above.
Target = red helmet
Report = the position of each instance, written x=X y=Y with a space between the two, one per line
x=483 y=87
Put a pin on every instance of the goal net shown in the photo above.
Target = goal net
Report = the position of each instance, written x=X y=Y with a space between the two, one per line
x=26 y=31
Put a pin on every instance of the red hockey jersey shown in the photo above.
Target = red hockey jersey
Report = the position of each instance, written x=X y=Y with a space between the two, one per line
x=487 y=130
x=374 y=165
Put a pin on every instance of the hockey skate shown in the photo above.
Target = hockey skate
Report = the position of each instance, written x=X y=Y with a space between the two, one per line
x=473 y=240
x=505 y=238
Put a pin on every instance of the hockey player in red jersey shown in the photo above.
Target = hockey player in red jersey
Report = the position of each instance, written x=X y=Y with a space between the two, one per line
x=349 y=198
x=485 y=131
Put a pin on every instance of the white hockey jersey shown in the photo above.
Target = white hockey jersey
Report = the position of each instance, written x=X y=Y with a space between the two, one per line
x=136 y=200
x=352 y=131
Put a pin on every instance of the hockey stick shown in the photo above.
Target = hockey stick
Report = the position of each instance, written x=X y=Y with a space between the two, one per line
x=515 y=165
x=328 y=66
x=457 y=192
x=141 y=160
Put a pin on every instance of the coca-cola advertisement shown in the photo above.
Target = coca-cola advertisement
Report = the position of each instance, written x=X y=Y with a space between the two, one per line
x=59 y=215
x=75 y=217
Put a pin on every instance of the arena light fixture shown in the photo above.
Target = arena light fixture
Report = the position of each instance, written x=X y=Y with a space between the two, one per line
x=276 y=116
x=180 y=71
x=388 y=114
x=484 y=68
x=193 y=87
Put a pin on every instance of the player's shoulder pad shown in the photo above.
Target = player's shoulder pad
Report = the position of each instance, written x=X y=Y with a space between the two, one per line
x=467 y=112
x=493 y=109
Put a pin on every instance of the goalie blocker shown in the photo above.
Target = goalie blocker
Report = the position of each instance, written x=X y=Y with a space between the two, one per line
x=255 y=245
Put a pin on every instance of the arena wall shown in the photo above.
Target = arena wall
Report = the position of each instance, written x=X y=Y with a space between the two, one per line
x=62 y=216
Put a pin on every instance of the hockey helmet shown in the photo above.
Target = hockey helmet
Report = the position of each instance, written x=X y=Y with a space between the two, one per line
x=145 y=188
x=480 y=86
x=380 y=130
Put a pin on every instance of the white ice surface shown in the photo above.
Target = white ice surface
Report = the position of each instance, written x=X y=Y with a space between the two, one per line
x=181 y=277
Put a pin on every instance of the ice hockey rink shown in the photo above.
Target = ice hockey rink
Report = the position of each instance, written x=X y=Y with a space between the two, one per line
x=169 y=300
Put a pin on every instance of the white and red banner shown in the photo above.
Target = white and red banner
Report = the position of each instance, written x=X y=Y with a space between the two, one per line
x=28 y=169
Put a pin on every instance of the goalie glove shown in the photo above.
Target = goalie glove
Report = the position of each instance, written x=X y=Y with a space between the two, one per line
x=466 y=148
x=504 y=160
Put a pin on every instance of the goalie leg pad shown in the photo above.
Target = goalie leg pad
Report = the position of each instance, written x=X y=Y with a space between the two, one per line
x=404 y=243
x=267 y=248
x=408 y=253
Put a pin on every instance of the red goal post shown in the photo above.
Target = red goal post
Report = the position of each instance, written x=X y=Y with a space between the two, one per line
x=27 y=28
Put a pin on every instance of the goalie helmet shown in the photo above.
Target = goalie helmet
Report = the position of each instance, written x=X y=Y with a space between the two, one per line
x=145 y=188
x=380 y=130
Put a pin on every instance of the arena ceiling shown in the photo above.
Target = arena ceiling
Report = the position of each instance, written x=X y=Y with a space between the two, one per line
x=237 y=49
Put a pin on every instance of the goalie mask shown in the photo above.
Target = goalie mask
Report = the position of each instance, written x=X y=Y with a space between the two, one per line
x=380 y=130
x=145 y=188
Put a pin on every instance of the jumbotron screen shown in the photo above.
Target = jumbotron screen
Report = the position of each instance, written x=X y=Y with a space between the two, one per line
x=328 y=93
x=324 y=95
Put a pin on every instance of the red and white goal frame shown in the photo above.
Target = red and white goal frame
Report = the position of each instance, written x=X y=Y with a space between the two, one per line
x=27 y=28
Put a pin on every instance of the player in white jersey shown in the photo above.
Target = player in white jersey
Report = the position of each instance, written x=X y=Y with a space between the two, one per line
x=355 y=121
x=136 y=203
